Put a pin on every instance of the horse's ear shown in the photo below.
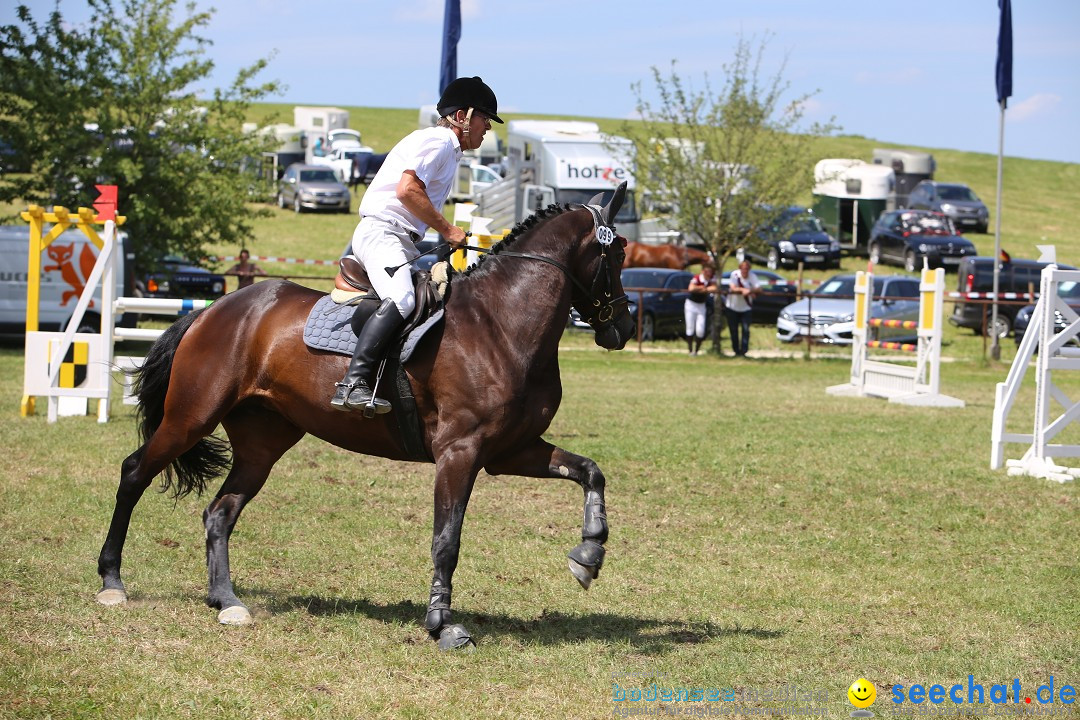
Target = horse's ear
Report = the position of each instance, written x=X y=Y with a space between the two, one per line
x=612 y=208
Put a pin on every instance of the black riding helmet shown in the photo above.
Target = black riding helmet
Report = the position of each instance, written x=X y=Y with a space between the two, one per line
x=465 y=93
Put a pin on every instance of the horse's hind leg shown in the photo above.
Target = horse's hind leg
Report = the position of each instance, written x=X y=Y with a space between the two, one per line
x=542 y=459
x=136 y=473
x=259 y=438
x=132 y=485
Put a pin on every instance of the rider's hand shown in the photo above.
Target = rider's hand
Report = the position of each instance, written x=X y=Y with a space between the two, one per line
x=456 y=237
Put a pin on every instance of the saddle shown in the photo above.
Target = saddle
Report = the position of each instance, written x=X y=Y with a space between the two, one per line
x=352 y=287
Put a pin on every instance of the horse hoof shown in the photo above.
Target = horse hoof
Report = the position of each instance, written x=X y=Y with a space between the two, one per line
x=456 y=637
x=235 y=615
x=111 y=596
x=584 y=575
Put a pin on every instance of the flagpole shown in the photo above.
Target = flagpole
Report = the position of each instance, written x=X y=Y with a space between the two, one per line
x=995 y=345
x=1003 y=81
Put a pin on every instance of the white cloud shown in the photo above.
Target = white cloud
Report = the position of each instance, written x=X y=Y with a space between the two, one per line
x=1037 y=105
x=900 y=76
x=812 y=106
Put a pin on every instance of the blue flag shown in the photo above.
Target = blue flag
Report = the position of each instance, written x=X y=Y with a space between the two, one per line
x=451 y=35
x=1004 y=54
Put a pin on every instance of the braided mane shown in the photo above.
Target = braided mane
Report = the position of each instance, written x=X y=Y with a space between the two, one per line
x=520 y=230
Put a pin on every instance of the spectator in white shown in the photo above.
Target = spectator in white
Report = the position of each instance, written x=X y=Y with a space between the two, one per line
x=743 y=287
x=404 y=199
x=695 y=308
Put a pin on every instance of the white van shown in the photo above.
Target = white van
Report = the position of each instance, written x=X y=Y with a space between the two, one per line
x=65 y=266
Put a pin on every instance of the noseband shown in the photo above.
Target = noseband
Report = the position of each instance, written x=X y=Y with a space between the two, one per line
x=601 y=303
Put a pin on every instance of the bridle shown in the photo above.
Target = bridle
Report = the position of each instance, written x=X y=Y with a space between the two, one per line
x=598 y=299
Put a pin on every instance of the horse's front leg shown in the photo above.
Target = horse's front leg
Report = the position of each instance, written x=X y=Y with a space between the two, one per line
x=542 y=459
x=455 y=475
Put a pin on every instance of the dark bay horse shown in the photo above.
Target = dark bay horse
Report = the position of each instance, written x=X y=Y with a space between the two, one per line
x=486 y=387
x=675 y=257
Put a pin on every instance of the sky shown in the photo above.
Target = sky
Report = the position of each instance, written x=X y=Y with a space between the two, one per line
x=919 y=72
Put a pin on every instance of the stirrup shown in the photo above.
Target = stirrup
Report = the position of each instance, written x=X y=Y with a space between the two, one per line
x=346 y=398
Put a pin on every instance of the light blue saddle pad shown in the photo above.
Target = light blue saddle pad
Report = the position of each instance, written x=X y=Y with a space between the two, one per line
x=329 y=327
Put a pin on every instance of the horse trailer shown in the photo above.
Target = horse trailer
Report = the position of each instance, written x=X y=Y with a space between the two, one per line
x=849 y=196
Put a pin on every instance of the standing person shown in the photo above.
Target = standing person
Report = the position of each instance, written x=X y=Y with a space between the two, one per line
x=245 y=271
x=743 y=287
x=695 y=308
x=404 y=198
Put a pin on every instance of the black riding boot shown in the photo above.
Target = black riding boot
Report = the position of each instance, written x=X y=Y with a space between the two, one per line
x=354 y=391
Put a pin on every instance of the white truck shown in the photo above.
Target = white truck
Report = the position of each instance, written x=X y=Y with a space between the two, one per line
x=342 y=147
x=65 y=266
x=560 y=162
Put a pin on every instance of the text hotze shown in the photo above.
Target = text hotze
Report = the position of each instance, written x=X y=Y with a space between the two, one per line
x=612 y=173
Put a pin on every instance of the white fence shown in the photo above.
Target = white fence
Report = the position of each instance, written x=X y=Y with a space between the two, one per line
x=1053 y=331
x=904 y=383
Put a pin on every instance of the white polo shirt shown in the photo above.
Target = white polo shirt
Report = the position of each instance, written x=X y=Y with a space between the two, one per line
x=433 y=154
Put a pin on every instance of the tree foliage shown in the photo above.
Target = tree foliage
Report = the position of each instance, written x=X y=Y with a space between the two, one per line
x=118 y=101
x=719 y=162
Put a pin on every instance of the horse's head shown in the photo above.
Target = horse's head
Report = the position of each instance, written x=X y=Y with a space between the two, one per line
x=605 y=307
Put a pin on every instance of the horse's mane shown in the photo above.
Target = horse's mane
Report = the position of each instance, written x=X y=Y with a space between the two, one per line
x=523 y=228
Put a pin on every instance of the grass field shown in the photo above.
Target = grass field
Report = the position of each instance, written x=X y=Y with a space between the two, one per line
x=764 y=535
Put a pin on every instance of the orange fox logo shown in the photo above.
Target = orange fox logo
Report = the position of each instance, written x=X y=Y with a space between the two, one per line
x=76 y=279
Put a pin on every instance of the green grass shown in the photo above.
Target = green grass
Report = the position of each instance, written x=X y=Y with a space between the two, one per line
x=763 y=534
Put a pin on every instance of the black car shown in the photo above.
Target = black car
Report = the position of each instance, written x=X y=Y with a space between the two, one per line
x=1068 y=291
x=976 y=275
x=907 y=237
x=662 y=313
x=776 y=294
x=797 y=236
x=177 y=277
x=956 y=200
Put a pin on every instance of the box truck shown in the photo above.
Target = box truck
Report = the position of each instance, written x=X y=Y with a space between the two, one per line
x=560 y=162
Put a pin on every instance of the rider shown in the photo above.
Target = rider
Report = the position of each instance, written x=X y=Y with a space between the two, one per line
x=406 y=197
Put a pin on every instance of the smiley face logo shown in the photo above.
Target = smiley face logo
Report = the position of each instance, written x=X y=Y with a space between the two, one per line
x=862 y=693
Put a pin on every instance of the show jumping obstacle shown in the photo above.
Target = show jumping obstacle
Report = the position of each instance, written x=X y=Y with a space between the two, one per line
x=1057 y=350
x=907 y=384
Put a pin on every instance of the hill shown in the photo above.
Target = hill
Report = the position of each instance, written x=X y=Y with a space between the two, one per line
x=1039 y=196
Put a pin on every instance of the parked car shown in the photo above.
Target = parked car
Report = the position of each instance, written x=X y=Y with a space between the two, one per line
x=907 y=237
x=661 y=312
x=827 y=315
x=312 y=187
x=177 y=277
x=976 y=275
x=956 y=200
x=776 y=294
x=797 y=236
x=1068 y=291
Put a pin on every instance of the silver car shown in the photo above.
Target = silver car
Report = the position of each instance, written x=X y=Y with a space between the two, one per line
x=312 y=187
x=828 y=314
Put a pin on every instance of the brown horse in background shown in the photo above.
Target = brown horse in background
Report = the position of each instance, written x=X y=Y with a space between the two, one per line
x=486 y=385
x=675 y=257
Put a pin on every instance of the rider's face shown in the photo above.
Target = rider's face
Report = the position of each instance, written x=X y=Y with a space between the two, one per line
x=479 y=125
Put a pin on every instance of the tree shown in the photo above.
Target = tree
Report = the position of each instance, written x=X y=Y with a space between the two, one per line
x=116 y=101
x=722 y=163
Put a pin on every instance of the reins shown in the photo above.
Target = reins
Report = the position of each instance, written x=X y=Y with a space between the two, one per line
x=530 y=256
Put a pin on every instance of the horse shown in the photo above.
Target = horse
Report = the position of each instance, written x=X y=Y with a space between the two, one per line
x=486 y=387
x=676 y=257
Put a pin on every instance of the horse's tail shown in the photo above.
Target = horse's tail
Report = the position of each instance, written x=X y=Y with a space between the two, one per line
x=210 y=456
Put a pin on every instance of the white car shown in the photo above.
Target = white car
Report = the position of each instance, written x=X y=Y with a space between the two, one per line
x=828 y=314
